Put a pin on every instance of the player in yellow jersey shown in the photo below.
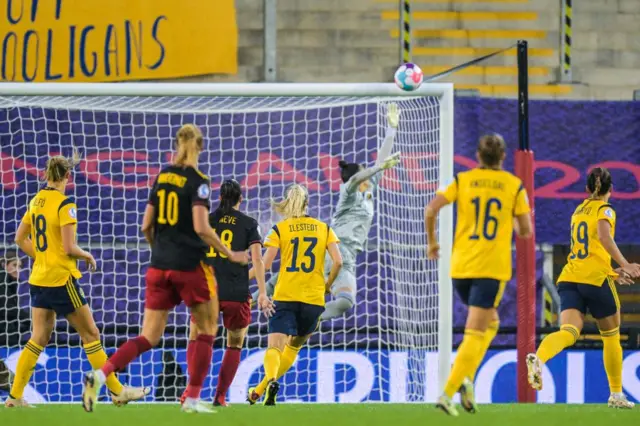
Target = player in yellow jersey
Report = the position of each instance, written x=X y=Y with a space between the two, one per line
x=487 y=199
x=586 y=283
x=300 y=290
x=47 y=234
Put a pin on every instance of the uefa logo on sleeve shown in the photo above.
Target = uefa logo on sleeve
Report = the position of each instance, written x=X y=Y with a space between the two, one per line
x=203 y=191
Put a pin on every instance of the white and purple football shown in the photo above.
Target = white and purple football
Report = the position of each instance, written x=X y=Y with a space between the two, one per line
x=409 y=77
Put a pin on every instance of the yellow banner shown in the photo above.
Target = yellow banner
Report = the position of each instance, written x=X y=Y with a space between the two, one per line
x=116 y=40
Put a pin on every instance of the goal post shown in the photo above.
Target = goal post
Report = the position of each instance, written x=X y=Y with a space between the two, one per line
x=394 y=346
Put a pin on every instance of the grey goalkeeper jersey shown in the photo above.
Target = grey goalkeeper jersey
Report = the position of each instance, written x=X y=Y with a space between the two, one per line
x=354 y=212
x=352 y=218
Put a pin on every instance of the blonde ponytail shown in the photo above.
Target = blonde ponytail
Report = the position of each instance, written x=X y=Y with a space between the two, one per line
x=189 y=141
x=294 y=204
x=59 y=166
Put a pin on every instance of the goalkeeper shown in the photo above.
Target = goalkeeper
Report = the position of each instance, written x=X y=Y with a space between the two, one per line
x=352 y=219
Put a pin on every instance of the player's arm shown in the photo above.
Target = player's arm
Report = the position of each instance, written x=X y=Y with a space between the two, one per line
x=67 y=215
x=272 y=243
x=605 y=219
x=393 y=117
x=258 y=268
x=336 y=259
x=23 y=236
x=385 y=160
x=444 y=196
x=523 y=226
x=72 y=249
x=522 y=214
x=147 y=223
x=264 y=303
x=430 y=216
x=267 y=260
x=269 y=257
x=208 y=235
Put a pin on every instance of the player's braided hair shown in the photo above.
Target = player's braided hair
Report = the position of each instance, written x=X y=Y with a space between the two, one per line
x=347 y=170
x=59 y=166
x=230 y=193
x=491 y=149
x=294 y=203
x=599 y=182
x=189 y=137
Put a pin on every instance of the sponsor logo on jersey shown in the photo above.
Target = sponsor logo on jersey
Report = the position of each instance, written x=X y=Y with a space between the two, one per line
x=73 y=213
x=608 y=213
x=203 y=191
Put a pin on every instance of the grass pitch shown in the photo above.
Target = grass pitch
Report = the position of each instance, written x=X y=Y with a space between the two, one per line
x=320 y=415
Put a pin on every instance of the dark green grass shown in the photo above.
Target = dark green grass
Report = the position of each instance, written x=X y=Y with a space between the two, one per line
x=321 y=415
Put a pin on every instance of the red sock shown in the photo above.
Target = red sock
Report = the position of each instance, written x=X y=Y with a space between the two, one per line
x=125 y=354
x=230 y=363
x=200 y=364
x=190 y=351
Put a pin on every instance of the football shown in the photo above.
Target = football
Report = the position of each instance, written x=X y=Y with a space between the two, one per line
x=409 y=76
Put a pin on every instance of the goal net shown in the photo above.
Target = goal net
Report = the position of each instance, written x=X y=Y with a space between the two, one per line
x=393 y=346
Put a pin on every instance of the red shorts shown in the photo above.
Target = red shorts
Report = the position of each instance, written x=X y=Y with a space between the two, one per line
x=167 y=288
x=235 y=315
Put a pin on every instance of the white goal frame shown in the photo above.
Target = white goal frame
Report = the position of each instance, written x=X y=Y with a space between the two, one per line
x=443 y=91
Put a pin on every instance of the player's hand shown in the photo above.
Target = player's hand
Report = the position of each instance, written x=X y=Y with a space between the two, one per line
x=623 y=278
x=92 y=266
x=631 y=269
x=391 y=161
x=241 y=257
x=433 y=251
x=266 y=305
x=393 y=114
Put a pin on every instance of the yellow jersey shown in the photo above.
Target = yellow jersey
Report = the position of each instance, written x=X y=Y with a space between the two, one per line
x=589 y=262
x=303 y=245
x=486 y=202
x=47 y=213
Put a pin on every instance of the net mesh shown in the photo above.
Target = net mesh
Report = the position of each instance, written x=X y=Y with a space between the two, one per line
x=382 y=350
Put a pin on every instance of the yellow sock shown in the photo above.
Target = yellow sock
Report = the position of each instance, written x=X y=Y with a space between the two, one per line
x=97 y=357
x=489 y=335
x=612 y=357
x=554 y=343
x=26 y=364
x=465 y=360
x=271 y=367
x=289 y=356
x=287 y=359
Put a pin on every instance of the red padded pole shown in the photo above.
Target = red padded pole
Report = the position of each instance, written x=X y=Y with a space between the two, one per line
x=526 y=283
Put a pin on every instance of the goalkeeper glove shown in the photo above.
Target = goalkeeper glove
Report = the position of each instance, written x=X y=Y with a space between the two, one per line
x=393 y=115
x=391 y=161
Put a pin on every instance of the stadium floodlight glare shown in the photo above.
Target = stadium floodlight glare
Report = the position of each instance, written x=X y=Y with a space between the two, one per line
x=266 y=136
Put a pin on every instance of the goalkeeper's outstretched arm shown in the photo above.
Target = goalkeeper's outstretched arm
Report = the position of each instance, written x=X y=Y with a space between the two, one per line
x=384 y=160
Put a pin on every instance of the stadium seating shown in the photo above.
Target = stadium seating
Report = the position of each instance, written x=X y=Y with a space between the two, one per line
x=607 y=48
x=357 y=40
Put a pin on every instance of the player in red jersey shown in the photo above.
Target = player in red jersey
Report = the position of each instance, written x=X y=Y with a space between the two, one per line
x=176 y=226
x=238 y=232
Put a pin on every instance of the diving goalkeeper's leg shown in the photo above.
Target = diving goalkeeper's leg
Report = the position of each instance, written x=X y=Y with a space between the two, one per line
x=344 y=293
